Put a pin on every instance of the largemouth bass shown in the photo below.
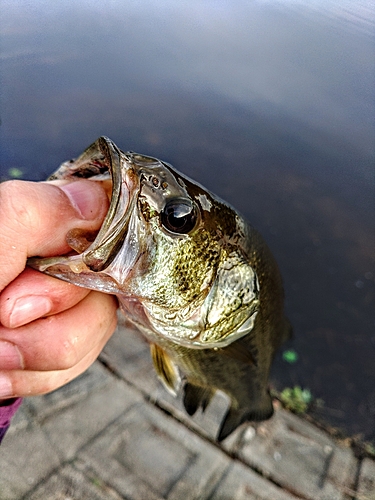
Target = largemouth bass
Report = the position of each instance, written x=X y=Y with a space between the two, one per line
x=195 y=278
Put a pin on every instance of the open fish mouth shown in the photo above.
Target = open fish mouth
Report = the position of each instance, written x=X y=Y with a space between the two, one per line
x=102 y=161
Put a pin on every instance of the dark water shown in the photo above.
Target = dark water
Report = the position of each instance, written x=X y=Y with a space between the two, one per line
x=270 y=104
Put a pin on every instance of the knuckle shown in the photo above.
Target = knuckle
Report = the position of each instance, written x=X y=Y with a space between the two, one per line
x=9 y=188
x=64 y=348
x=68 y=355
x=13 y=209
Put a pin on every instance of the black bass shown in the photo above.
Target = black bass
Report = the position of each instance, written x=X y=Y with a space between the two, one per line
x=189 y=272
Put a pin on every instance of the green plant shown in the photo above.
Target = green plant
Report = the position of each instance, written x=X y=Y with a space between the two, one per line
x=296 y=399
x=15 y=173
x=290 y=356
x=370 y=449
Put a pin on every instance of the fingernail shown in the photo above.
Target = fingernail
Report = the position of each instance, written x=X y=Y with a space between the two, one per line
x=29 y=308
x=82 y=199
x=6 y=388
x=10 y=357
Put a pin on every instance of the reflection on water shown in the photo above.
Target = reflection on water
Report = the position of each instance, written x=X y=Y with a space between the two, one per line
x=268 y=104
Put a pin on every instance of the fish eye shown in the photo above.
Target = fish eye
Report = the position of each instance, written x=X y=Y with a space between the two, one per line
x=179 y=216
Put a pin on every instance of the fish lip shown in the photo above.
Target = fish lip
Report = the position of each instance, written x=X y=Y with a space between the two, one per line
x=99 y=159
x=99 y=255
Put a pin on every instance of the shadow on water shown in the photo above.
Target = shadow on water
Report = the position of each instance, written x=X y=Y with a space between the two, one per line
x=287 y=142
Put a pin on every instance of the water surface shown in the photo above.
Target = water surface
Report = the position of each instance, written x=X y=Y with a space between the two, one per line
x=270 y=104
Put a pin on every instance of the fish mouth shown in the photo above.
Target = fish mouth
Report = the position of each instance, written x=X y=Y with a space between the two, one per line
x=111 y=235
x=102 y=161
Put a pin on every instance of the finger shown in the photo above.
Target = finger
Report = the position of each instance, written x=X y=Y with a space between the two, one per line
x=69 y=335
x=36 y=216
x=33 y=295
x=21 y=383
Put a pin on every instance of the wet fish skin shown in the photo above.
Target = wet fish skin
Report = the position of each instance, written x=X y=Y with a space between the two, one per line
x=241 y=370
x=190 y=272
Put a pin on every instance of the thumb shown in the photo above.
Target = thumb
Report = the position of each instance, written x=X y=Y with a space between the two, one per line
x=36 y=216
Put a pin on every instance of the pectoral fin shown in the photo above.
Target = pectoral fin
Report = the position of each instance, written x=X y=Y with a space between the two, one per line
x=166 y=369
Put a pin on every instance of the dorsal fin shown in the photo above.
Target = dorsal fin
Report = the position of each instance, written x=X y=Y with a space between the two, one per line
x=166 y=369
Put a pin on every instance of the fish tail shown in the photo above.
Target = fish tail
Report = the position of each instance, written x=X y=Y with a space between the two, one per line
x=236 y=417
x=196 y=396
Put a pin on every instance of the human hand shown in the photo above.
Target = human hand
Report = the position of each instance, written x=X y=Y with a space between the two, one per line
x=50 y=330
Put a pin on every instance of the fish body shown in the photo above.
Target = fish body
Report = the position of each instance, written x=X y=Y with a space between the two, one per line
x=189 y=272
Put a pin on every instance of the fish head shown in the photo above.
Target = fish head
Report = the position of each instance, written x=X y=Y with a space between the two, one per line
x=171 y=251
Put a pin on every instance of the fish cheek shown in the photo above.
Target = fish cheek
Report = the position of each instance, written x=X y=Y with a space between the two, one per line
x=197 y=263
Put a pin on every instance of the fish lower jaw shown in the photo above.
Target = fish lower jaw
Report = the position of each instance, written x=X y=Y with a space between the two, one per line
x=74 y=263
